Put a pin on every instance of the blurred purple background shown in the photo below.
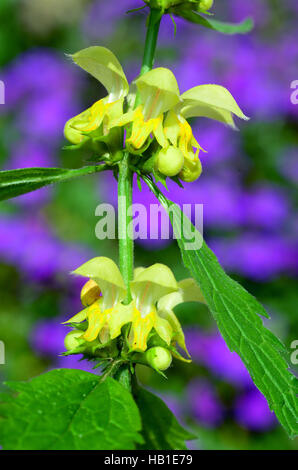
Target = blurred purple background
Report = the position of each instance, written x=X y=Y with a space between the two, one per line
x=247 y=188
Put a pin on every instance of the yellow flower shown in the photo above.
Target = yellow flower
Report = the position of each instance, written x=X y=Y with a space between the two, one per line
x=180 y=134
x=154 y=292
x=157 y=111
x=162 y=114
x=102 y=64
x=158 y=92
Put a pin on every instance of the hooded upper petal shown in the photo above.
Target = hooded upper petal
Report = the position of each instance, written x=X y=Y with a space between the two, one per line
x=159 y=92
x=103 y=65
x=150 y=285
x=108 y=277
x=189 y=291
x=213 y=101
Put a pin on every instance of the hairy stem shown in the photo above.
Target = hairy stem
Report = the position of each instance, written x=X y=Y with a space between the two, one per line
x=151 y=40
x=111 y=369
x=123 y=375
x=125 y=181
x=125 y=232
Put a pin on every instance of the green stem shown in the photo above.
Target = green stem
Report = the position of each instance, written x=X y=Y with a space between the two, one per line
x=151 y=40
x=125 y=232
x=111 y=370
x=123 y=375
x=125 y=180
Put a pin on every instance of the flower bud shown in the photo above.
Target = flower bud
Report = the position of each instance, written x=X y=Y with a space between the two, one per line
x=205 y=5
x=191 y=171
x=159 y=358
x=72 y=339
x=167 y=5
x=89 y=293
x=170 y=161
x=162 y=4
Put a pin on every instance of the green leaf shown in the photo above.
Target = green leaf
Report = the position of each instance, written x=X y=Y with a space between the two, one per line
x=161 y=430
x=220 y=26
x=24 y=180
x=69 y=409
x=237 y=314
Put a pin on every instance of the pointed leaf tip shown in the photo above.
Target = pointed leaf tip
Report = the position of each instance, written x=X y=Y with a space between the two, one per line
x=101 y=269
x=243 y=27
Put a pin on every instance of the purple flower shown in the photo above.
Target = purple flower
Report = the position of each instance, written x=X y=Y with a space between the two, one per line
x=102 y=17
x=47 y=337
x=28 y=244
x=221 y=199
x=254 y=84
x=292 y=5
x=197 y=344
x=31 y=154
x=220 y=196
x=252 y=411
x=174 y=405
x=36 y=73
x=220 y=143
x=204 y=403
x=266 y=207
x=257 y=10
x=195 y=64
x=75 y=362
x=42 y=89
x=226 y=364
x=166 y=31
x=213 y=353
x=289 y=164
x=108 y=190
x=248 y=67
x=257 y=256
x=45 y=116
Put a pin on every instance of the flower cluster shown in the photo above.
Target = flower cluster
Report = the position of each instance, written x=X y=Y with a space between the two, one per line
x=146 y=330
x=155 y=118
x=166 y=6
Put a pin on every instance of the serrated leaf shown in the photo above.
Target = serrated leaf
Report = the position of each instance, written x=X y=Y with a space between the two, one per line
x=220 y=26
x=69 y=409
x=237 y=314
x=24 y=180
x=161 y=430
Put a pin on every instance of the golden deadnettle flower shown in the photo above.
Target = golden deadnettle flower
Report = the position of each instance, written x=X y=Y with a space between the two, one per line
x=156 y=110
x=167 y=5
x=102 y=64
x=205 y=5
x=155 y=293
